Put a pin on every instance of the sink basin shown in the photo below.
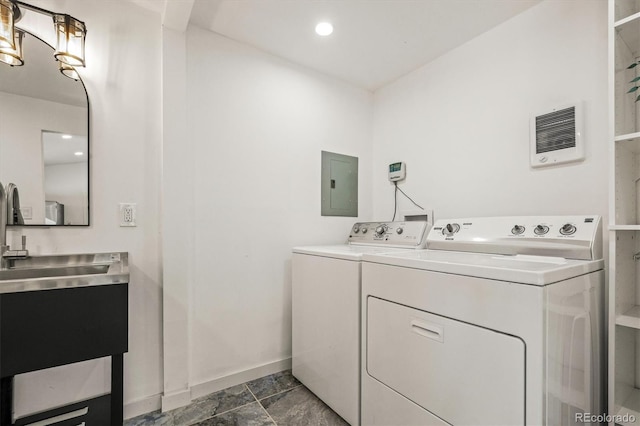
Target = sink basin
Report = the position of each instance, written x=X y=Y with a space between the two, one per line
x=63 y=271
x=21 y=274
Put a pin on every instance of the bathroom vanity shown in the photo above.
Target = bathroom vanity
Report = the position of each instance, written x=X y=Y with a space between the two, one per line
x=58 y=310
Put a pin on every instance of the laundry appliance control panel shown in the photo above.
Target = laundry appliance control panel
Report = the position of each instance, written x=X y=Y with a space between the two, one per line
x=391 y=234
x=571 y=237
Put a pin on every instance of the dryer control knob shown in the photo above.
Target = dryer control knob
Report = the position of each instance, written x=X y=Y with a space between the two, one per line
x=517 y=230
x=364 y=230
x=381 y=230
x=399 y=231
x=541 y=230
x=450 y=229
x=568 y=229
x=356 y=229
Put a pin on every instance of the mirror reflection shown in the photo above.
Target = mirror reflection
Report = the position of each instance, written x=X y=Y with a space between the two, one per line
x=44 y=143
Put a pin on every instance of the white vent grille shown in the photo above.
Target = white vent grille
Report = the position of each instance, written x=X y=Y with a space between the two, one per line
x=556 y=136
x=556 y=130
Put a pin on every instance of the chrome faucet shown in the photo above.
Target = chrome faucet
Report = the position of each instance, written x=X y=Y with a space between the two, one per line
x=6 y=254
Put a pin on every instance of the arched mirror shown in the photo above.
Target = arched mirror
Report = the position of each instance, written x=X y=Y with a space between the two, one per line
x=44 y=138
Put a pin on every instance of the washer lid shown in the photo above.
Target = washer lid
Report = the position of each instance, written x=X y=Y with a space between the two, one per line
x=345 y=251
x=522 y=269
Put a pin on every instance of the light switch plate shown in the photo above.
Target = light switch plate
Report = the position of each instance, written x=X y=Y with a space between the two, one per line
x=27 y=213
x=127 y=214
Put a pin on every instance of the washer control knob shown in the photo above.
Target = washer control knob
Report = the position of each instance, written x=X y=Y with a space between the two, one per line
x=356 y=229
x=568 y=229
x=364 y=230
x=541 y=230
x=517 y=230
x=399 y=231
x=450 y=229
x=381 y=229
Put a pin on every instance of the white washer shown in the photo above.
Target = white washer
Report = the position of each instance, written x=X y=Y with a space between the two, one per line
x=326 y=310
x=499 y=322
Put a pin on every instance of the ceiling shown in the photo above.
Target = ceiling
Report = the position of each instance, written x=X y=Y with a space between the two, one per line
x=374 y=41
x=58 y=149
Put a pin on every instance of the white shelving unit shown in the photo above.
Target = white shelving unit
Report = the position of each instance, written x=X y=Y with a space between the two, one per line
x=624 y=238
x=629 y=318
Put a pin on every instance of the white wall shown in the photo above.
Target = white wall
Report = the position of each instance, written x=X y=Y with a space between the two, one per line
x=123 y=82
x=258 y=125
x=177 y=224
x=461 y=122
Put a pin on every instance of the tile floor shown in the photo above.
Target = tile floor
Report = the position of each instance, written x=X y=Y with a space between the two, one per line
x=278 y=399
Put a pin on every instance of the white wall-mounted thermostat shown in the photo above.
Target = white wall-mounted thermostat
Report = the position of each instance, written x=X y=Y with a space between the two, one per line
x=556 y=136
x=397 y=171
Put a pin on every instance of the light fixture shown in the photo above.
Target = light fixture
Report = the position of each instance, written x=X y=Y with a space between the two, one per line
x=78 y=154
x=69 y=71
x=324 y=28
x=13 y=56
x=66 y=136
x=9 y=15
x=70 y=36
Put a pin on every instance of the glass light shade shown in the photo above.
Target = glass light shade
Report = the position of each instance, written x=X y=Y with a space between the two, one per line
x=70 y=34
x=69 y=71
x=13 y=56
x=7 y=33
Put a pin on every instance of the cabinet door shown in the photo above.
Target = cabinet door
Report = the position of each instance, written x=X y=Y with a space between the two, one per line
x=42 y=329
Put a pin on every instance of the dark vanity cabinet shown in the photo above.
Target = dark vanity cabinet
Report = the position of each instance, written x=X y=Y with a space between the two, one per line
x=47 y=328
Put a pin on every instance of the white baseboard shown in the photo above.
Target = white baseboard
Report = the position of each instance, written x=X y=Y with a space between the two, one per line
x=142 y=406
x=176 y=400
x=202 y=389
x=182 y=398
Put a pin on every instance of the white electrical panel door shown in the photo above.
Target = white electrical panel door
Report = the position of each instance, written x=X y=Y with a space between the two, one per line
x=461 y=373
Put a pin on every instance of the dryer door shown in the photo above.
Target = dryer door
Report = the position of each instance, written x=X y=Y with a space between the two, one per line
x=464 y=374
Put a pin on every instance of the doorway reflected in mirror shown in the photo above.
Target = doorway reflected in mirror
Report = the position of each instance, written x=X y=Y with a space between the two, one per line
x=65 y=184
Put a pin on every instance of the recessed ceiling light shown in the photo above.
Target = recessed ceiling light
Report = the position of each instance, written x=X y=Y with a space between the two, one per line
x=66 y=136
x=78 y=154
x=324 y=28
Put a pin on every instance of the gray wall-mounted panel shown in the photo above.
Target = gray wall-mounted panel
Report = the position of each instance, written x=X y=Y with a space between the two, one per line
x=339 y=186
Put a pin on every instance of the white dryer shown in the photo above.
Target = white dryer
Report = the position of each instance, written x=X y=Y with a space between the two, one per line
x=499 y=322
x=326 y=289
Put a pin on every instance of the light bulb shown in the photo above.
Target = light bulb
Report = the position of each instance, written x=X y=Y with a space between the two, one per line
x=324 y=29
